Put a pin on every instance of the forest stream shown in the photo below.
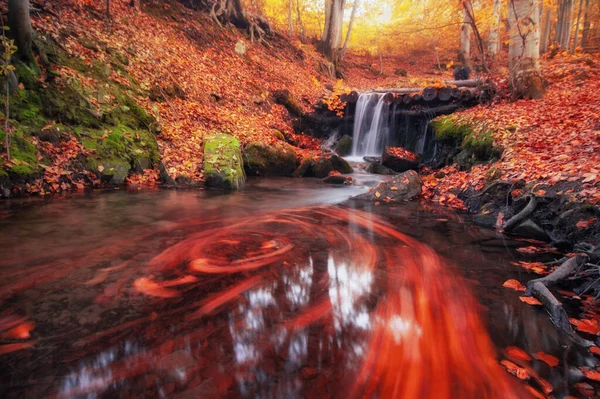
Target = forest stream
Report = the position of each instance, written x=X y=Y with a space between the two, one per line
x=285 y=289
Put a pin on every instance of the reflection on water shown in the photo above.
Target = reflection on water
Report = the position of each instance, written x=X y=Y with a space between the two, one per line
x=258 y=294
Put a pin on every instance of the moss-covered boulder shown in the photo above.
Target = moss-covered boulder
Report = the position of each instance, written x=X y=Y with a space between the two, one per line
x=326 y=164
x=344 y=146
x=278 y=159
x=304 y=168
x=223 y=164
x=114 y=171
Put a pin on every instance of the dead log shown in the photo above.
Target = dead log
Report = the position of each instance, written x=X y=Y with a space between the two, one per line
x=465 y=83
x=444 y=94
x=429 y=93
x=441 y=110
x=539 y=289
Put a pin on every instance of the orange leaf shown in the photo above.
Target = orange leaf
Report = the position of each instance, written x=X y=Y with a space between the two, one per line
x=529 y=300
x=377 y=194
x=540 y=192
x=591 y=374
x=584 y=388
x=151 y=288
x=515 y=370
x=19 y=332
x=595 y=350
x=514 y=284
x=517 y=353
x=550 y=360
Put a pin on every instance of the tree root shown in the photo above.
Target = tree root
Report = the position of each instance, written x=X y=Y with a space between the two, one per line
x=539 y=289
x=495 y=184
x=521 y=216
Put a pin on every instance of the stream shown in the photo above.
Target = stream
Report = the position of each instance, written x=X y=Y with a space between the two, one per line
x=285 y=289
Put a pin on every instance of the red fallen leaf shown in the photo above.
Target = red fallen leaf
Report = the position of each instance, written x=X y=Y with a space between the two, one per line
x=151 y=288
x=19 y=332
x=15 y=347
x=595 y=350
x=517 y=353
x=515 y=370
x=585 y=389
x=550 y=360
x=591 y=374
x=529 y=300
x=584 y=224
x=529 y=250
x=586 y=326
x=514 y=284
x=540 y=192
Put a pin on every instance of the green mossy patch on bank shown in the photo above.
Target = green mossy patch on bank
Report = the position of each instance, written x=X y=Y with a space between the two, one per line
x=467 y=142
x=85 y=103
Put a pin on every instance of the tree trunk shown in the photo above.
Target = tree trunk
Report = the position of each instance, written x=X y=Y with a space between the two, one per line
x=327 y=20
x=300 y=24
x=494 y=44
x=563 y=29
x=331 y=44
x=21 y=31
x=108 y=9
x=524 y=51
x=464 y=55
x=290 y=18
x=546 y=34
x=347 y=40
x=575 y=43
x=586 y=25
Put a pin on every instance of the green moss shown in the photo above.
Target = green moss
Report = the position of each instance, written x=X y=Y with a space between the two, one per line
x=68 y=106
x=23 y=154
x=449 y=129
x=278 y=159
x=223 y=165
x=27 y=75
x=129 y=114
x=26 y=107
x=480 y=145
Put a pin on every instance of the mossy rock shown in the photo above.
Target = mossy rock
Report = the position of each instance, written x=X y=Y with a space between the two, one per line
x=67 y=105
x=130 y=114
x=322 y=167
x=277 y=159
x=223 y=164
x=26 y=107
x=28 y=75
x=114 y=171
x=340 y=164
x=344 y=146
x=304 y=169
x=448 y=129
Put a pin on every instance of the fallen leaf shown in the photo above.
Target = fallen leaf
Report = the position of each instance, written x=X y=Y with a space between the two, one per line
x=377 y=194
x=550 y=360
x=529 y=300
x=585 y=389
x=151 y=288
x=515 y=370
x=22 y=331
x=595 y=350
x=517 y=353
x=591 y=374
x=514 y=284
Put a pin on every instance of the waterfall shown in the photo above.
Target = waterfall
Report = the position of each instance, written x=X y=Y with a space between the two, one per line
x=377 y=125
x=371 y=125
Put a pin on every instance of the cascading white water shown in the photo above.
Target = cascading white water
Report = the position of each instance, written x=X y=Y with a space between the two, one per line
x=371 y=125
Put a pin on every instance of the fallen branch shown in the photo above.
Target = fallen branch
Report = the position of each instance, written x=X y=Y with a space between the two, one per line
x=539 y=289
x=521 y=216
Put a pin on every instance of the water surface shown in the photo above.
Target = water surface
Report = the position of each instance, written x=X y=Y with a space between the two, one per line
x=285 y=289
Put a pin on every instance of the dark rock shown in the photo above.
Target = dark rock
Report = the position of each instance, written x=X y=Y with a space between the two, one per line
x=340 y=164
x=530 y=229
x=379 y=169
x=89 y=44
x=51 y=135
x=338 y=179
x=372 y=159
x=400 y=188
x=322 y=167
x=115 y=171
x=304 y=168
x=165 y=177
x=464 y=160
x=400 y=160
x=344 y=146
x=184 y=181
x=401 y=72
x=223 y=164
x=278 y=159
